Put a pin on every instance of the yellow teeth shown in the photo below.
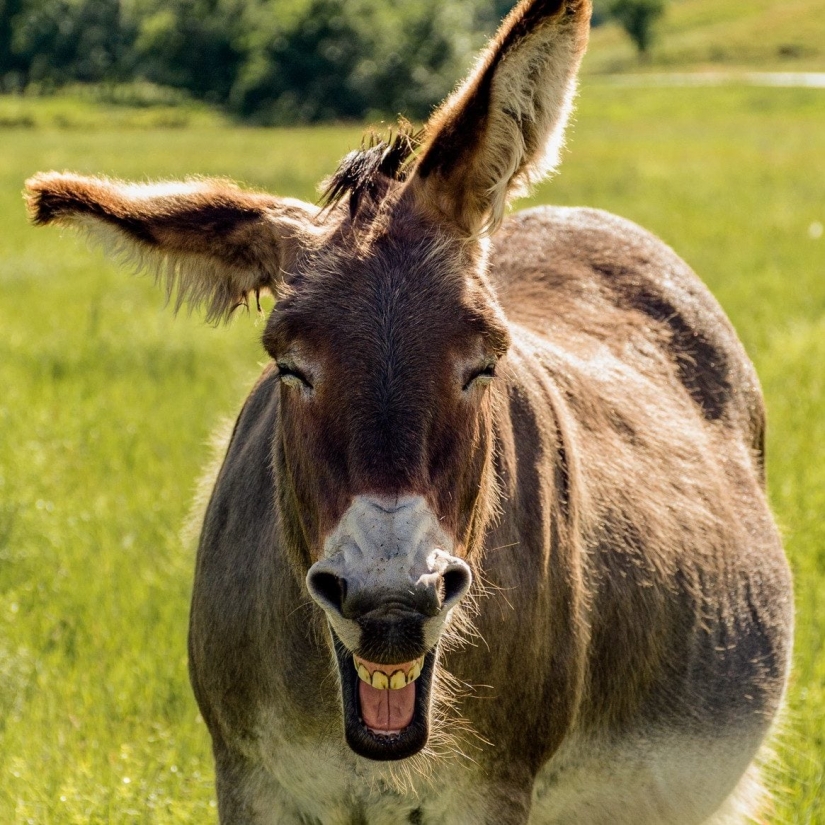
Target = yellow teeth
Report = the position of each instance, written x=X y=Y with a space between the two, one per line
x=388 y=677
x=415 y=670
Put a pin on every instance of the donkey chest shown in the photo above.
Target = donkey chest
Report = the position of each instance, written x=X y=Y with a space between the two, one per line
x=321 y=783
x=673 y=780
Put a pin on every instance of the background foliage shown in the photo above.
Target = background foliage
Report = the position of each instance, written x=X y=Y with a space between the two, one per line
x=719 y=35
x=304 y=61
x=638 y=18
x=275 y=61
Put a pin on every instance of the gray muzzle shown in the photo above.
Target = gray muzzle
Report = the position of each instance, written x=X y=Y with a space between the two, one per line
x=387 y=580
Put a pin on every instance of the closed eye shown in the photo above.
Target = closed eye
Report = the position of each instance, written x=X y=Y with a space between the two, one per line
x=485 y=372
x=291 y=374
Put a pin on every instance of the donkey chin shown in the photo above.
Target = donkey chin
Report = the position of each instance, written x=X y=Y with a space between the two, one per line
x=388 y=582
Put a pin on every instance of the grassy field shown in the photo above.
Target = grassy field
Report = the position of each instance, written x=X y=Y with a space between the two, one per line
x=119 y=106
x=769 y=35
x=107 y=403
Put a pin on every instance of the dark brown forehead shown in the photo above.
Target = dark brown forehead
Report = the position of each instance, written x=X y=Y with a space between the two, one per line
x=411 y=288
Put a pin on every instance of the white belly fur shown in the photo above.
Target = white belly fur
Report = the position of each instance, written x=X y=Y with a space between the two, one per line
x=658 y=781
x=663 y=781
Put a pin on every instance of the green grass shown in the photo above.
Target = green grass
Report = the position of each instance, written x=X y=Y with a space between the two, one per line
x=117 y=106
x=107 y=402
x=775 y=35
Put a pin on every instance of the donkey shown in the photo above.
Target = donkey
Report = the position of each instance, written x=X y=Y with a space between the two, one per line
x=490 y=541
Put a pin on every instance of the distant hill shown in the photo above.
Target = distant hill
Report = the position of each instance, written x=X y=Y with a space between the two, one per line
x=774 y=35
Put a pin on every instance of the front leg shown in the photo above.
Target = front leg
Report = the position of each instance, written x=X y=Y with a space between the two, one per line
x=479 y=800
x=247 y=794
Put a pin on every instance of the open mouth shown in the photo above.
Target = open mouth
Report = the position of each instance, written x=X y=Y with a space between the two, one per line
x=386 y=706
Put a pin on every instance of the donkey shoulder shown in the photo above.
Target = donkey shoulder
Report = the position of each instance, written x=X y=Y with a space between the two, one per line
x=599 y=274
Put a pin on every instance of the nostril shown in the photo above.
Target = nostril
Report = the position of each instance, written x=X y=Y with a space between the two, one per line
x=327 y=589
x=455 y=581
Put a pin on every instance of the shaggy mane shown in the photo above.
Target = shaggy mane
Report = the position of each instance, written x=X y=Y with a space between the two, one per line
x=361 y=172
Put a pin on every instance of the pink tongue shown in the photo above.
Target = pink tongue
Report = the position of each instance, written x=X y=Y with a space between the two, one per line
x=386 y=711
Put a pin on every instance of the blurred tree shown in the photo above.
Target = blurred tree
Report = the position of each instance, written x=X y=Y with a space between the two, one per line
x=188 y=44
x=55 y=41
x=297 y=67
x=415 y=55
x=601 y=12
x=271 y=61
x=322 y=59
x=11 y=65
x=638 y=18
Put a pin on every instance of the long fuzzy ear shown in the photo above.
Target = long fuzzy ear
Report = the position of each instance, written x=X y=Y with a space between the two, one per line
x=210 y=242
x=504 y=126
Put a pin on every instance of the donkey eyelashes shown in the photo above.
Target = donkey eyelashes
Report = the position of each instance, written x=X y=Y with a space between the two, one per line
x=486 y=371
x=291 y=374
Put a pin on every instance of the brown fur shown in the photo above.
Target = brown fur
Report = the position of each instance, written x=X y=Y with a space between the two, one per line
x=632 y=600
x=206 y=238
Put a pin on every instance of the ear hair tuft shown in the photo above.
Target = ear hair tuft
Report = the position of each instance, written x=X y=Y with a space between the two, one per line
x=361 y=172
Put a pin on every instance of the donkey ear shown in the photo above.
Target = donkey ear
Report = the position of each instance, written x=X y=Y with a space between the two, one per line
x=208 y=240
x=504 y=126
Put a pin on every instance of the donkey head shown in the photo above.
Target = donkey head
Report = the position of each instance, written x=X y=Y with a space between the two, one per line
x=387 y=335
